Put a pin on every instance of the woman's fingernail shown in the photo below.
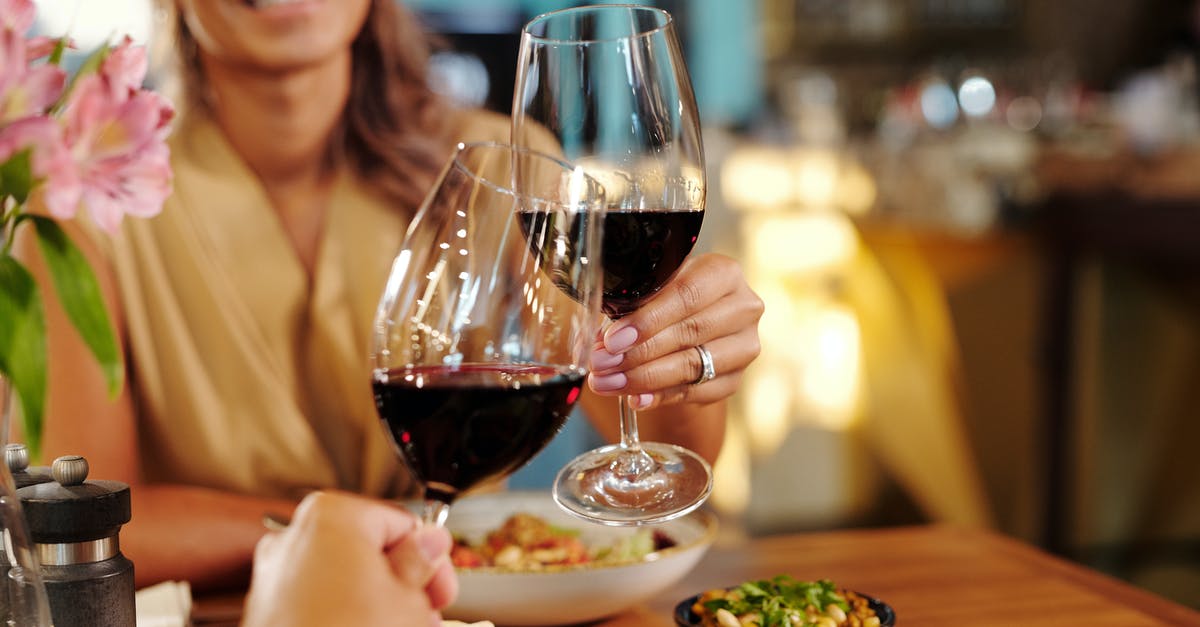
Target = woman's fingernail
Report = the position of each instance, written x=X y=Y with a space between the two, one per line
x=642 y=401
x=620 y=340
x=609 y=382
x=603 y=360
x=433 y=543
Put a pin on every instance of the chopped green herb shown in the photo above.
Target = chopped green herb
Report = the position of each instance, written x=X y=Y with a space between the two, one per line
x=781 y=601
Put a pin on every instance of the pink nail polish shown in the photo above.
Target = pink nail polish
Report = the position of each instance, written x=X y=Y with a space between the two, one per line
x=620 y=340
x=603 y=360
x=609 y=382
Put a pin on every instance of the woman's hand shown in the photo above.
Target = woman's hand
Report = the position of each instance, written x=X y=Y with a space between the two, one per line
x=651 y=354
x=348 y=560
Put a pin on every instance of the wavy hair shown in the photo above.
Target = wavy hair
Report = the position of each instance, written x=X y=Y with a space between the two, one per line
x=392 y=129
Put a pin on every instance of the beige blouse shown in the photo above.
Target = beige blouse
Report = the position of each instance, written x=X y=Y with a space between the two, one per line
x=245 y=376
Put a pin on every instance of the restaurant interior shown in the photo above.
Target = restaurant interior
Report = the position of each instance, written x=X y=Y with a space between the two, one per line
x=975 y=225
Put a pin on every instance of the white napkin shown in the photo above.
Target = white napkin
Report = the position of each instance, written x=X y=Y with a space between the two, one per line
x=169 y=604
x=166 y=604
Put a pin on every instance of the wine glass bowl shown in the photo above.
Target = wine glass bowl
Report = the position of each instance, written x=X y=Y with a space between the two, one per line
x=607 y=85
x=477 y=354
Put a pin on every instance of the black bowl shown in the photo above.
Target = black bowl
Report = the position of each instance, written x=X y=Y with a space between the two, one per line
x=685 y=617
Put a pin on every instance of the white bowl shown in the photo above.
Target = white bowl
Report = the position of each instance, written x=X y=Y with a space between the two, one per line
x=566 y=594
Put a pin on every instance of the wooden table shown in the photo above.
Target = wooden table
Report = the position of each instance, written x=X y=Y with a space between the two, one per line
x=931 y=576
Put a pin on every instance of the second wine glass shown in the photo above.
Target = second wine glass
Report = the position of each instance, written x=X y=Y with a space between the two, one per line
x=477 y=354
x=609 y=86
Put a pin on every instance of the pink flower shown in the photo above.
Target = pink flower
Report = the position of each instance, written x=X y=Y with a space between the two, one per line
x=116 y=132
x=25 y=90
x=125 y=66
x=17 y=15
x=50 y=161
x=41 y=46
x=102 y=146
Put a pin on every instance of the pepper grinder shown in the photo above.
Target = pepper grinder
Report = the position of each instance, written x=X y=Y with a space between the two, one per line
x=16 y=457
x=75 y=526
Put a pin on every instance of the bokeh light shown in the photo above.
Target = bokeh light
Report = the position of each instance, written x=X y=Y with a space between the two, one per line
x=977 y=96
x=939 y=107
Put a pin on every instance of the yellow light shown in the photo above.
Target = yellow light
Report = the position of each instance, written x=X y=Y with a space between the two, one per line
x=757 y=179
x=802 y=243
x=778 y=320
x=816 y=176
x=856 y=189
x=768 y=406
x=831 y=343
x=762 y=178
x=577 y=187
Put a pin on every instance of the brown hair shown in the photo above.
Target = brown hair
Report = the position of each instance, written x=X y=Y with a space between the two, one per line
x=392 y=130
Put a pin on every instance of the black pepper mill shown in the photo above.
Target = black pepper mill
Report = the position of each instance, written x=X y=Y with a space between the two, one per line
x=75 y=526
x=16 y=456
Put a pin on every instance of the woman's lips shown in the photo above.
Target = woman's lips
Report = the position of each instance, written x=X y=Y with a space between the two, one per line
x=264 y=4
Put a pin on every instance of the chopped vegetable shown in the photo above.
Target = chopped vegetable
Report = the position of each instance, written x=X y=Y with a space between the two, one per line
x=527 y=542
x=784 y=602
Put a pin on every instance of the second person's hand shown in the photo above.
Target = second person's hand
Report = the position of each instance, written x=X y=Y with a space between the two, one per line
x=349 y=560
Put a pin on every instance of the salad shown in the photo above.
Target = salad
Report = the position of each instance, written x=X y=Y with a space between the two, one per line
x=528 y=542
x=784 y=602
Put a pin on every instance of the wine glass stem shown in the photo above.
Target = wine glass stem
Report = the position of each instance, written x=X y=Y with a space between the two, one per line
x=435 y=512
x=634 y=462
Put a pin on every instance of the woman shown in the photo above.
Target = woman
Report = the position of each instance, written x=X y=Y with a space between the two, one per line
x=307 y=138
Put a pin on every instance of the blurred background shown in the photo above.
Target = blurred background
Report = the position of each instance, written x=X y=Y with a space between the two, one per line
x=976 y=226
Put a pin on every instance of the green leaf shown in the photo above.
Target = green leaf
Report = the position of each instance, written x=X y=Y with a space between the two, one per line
x=80 y=295
x=59 y=47
x=23 y=345
x=16 y=175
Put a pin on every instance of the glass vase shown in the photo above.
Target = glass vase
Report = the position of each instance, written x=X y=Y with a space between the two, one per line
x=23 y=600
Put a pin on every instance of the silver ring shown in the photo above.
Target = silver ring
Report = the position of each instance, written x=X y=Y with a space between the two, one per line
x=707 y=372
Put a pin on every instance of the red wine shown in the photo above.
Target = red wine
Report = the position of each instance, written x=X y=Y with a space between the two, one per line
x=458 y=426
x=641 y=251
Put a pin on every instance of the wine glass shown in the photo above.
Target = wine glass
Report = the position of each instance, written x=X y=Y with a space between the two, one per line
x=608 y=87
x=477 y=355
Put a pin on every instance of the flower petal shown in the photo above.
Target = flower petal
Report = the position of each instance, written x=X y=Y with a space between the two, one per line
x=12 y=62
x=105 y=207
x=88 y=107
x=17 y=14
x=125 y=66
x=51 y=161
x=42 y=87
x=148 y=182
x=41 y=46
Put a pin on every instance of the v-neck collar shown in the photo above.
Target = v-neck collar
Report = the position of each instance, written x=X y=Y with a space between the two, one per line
x=314 y=328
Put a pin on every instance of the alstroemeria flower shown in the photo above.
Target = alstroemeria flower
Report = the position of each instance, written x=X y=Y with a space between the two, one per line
x=102 y=146
x=17 y=15
x=25 y=90
x=125 y=67
x=50 y=162
x=116 y=132
x=41 y=46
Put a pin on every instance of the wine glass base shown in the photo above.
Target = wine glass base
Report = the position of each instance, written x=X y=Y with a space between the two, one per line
x=593 y=486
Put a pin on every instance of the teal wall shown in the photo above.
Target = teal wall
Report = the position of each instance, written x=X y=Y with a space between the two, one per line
x=722 y=39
